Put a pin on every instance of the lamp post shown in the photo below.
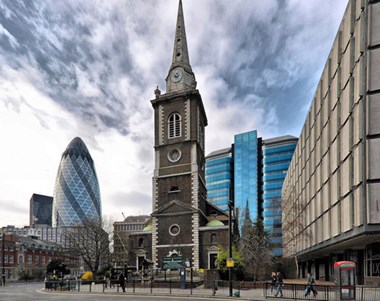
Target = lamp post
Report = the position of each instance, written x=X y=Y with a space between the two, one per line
x=230 y=238
x=3 y=259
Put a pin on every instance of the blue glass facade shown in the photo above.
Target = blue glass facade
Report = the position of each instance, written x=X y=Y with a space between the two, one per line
x=247 y=149
x=76 y=193
x=277 y=154
x=219 y=168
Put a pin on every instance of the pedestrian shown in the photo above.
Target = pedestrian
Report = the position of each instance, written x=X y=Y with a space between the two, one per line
x=214 y=288
x=273 y=281
x=310 y=285
x=122 y=282
x=279 y=284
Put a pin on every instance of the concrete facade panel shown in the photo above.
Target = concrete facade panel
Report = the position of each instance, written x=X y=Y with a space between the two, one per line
x=345 y=177
x=345 y=140
x=373 y=203
x=359 y=84
x=326 y=226
x=346 y=102
x=357 y=164
x=326 y=110
x=346 y=211
x=358 y=122
x=373 y=165
x=334 y=92
x=325 y=197
x=373 y=69
x=346 y=65
x=325 y=168
x=334 y=188
x=325 y=139
x=326 y=76
x=335 y=55
x=359 y=8
x=346 y=27
x=334 y=156
x=335 y=221
x=358 y=206
x=334 y=123
x=373 y=113
x=374 y=25
x=358 y=40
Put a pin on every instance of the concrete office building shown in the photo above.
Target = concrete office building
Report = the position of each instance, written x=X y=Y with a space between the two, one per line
x=331 y=192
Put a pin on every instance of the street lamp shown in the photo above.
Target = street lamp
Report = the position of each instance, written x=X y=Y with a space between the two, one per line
x=3 y=258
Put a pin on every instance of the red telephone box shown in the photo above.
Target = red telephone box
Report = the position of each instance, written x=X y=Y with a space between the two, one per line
x=345 y=279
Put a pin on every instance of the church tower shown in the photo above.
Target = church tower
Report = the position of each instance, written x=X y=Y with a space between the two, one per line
x=179 y=186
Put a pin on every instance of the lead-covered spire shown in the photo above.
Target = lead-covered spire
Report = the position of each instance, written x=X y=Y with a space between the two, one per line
x=180 y=51
x=181 y=76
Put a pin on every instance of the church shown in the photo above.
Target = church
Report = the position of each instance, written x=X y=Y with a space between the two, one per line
x=184 y=227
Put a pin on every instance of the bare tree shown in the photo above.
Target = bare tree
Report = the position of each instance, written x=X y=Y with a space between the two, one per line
x=254 y=244
x=121 y=247
x=294 y=228
x=90 y=242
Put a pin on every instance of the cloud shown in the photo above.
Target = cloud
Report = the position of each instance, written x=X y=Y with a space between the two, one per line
x=89 y=68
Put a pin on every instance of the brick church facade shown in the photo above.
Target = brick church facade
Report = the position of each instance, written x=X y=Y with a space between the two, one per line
x=183 y=224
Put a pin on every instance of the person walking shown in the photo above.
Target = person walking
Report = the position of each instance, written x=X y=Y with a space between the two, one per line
x=310 y=285
x=122 y=282
x=279 y=284
x=273 y=281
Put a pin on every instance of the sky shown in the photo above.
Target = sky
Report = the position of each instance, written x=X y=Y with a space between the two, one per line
x=89 y=69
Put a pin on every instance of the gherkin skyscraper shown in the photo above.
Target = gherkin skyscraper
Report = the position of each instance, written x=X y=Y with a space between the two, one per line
x=76 y=192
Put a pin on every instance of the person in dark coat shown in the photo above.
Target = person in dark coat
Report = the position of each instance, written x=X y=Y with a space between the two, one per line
x=273 y=278
x=279 y=284
x=310 y=285
x=122 y=282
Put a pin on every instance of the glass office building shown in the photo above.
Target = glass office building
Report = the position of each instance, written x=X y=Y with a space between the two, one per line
x=219 y=177
x=41 y=207
x=277 y=154
x=247 y=170
x=76 y=193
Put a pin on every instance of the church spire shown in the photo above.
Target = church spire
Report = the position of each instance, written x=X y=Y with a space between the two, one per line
x=180 y=52
x=181 y=76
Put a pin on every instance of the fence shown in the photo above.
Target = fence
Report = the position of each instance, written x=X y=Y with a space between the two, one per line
x=247 y=290
x=325 y=292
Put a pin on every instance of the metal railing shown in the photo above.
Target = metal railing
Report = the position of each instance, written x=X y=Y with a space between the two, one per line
x=248 y=290
x=324 y=292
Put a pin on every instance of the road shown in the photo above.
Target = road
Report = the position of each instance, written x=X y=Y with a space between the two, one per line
x=32 y=291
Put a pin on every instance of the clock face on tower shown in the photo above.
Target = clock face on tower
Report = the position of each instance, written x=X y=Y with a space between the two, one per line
x=176 y=75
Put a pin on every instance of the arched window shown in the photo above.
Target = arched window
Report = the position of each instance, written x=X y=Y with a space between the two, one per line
x=213 y=239
x=141 y=243
x=174 y=126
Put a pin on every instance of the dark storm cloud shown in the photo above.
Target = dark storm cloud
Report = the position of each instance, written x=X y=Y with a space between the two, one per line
x=57 y=40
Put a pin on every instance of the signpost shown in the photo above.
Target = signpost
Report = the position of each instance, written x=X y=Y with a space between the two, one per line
x=172 y=262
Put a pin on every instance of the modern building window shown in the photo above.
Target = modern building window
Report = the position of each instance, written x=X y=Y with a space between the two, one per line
x=174 y=125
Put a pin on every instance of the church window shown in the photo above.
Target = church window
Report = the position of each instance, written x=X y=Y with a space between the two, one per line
x=174 y=230
x=174 y=125
x=213 y=239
